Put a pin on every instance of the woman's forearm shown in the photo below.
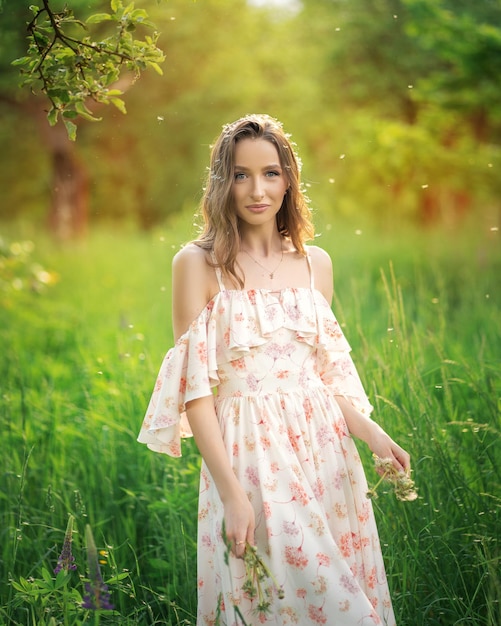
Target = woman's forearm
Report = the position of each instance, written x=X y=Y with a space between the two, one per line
x=205 y=428
x=360 y=426
x=239 y=515
x=369 y=431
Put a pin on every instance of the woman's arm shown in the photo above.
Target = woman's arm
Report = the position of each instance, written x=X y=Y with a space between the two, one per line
x=193 y=285
x=359 y=425
x=379 y=442
x=238 y=512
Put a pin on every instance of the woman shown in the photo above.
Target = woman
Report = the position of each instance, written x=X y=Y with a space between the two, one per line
x=262 y=377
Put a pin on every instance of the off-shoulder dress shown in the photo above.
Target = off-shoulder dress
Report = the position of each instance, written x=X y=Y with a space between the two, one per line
x=275 y=361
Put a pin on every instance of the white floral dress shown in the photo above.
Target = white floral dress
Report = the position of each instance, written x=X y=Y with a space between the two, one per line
x=275 y=362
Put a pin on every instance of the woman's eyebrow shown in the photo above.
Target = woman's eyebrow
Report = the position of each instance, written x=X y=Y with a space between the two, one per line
x=271 y=166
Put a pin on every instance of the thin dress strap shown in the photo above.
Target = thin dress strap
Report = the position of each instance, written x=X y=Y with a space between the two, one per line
x=310 y=267
x=219 y=274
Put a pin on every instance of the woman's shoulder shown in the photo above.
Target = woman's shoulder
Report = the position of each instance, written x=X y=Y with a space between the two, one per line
x=194 y=283
x=193 y=264
x=321 y=265
x=191 y=255
x=319 y=257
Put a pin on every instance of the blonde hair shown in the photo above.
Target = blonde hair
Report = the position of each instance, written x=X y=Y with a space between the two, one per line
x=220 y=231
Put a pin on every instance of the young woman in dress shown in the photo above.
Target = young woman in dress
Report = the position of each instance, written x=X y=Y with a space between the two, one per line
x=261 y=375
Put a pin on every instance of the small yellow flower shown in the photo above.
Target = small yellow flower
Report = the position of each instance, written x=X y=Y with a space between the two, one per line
x=103 y=557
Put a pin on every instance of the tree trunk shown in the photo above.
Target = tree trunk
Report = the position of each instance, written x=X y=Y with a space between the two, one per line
x=70 y=192
x=68 y=212
x=69 y=203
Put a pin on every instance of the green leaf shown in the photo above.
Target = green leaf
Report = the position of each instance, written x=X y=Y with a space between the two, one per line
x=41 y=39
x=115 y=5
x=159 y=564
x=138 y=15
x=97 y=18
x=52 y=116
x=120 y=105
x=71 y=129
x=21 y=61
x=62 y=578
x=128 y=9
x=84 y=112
x=46 y=575
x=18 y=587
x=156 y=67
x=117 y=578
x=59 y=94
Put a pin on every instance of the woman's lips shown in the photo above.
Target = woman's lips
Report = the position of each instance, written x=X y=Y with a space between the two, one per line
x=257 y=208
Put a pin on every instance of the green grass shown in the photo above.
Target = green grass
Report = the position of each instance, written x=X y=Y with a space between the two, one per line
x=78 y=361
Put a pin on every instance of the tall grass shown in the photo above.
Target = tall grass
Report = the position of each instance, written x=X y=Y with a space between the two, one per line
x=422 y=312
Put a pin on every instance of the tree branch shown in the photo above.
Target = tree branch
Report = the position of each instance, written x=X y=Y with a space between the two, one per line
x=71 y=70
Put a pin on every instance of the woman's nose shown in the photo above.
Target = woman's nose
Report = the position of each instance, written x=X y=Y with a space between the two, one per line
x=257 y=189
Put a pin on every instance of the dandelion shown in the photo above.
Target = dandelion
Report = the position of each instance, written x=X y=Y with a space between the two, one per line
x=97 y=595
x=66 y=560
x=402 y=483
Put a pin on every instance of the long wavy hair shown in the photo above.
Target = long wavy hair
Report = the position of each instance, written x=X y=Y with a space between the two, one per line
x=220 y=232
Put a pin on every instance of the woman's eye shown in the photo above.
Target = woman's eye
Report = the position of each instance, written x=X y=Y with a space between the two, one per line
x=239 y=176
x=272 y=173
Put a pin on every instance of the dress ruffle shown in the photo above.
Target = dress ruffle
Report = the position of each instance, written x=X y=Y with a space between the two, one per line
x=231 y=324
x=334 y=361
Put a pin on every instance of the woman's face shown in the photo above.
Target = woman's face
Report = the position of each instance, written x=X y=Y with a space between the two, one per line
x=259 y=183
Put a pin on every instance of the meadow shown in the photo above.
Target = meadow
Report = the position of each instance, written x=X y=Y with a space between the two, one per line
x=78 y=359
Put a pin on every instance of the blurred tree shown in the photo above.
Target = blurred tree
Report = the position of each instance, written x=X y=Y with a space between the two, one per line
x=363 y=85
x=395 y=64
x=462 y=42
x=225 y=59
x=369 y=60
x=73 y=70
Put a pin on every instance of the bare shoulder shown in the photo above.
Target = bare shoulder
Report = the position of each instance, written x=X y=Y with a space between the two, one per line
x=190 y=258
x=322 y=270
x=192 y=286
x=320 y=257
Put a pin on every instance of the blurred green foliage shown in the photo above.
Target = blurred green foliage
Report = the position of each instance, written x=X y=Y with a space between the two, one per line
x=20 y=273
x=393 y=104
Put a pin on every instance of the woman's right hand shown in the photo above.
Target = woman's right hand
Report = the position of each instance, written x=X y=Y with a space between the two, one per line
x=239 y=523
x=239 y=518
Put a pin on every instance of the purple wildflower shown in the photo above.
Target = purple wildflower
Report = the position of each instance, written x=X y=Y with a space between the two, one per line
x=97 y=594
x=66 y=560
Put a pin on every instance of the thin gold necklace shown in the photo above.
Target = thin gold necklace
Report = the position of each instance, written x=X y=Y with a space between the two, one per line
x=272 y=273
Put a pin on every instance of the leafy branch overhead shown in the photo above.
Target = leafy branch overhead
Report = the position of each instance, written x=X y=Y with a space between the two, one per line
x=71 y=66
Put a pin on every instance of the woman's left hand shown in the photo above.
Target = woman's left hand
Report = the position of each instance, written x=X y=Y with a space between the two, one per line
x=383 y=446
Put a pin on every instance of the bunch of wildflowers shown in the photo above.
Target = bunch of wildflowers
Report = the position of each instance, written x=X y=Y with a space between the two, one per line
x=260 y=584
x=402 y=483
x=97 y=594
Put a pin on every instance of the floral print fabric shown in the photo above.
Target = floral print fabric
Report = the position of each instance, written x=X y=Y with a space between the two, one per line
x=275 y=362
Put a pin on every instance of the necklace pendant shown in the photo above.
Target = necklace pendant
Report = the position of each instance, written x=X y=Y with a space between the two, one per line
x=271 y=275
